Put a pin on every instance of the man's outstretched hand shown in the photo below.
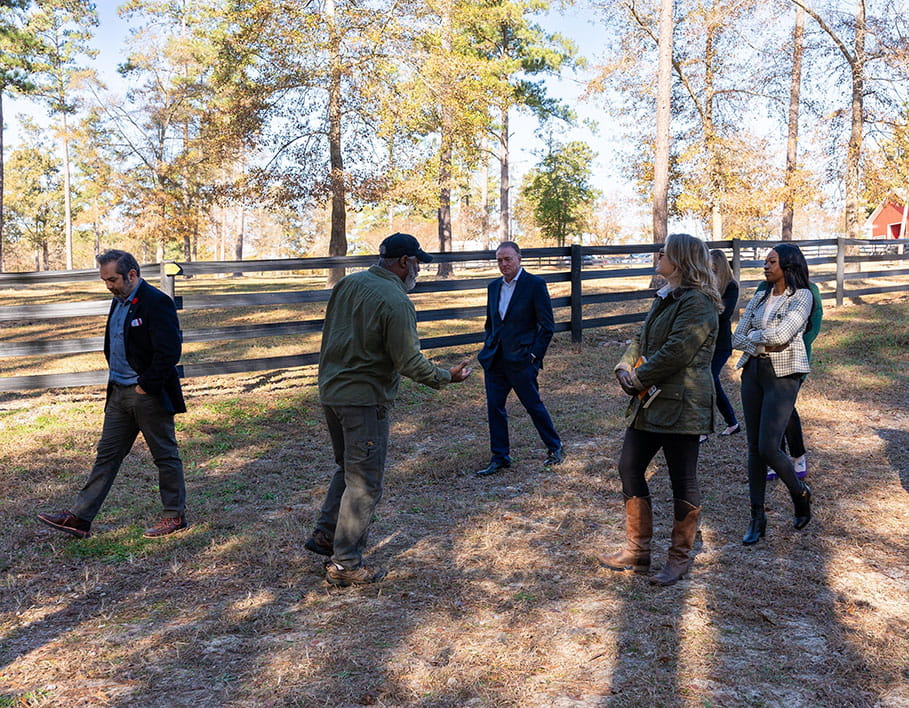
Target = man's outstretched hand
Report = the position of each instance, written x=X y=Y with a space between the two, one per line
x=460 y=372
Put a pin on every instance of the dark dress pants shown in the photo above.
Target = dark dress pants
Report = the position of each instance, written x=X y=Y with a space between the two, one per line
x=359 y=438
x=720 y=357
x=127 y=414
x=768 y=402
x=500 y=381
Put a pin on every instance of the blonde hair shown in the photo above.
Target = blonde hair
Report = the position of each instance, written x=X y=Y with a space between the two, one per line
x=722 y=273
x=689 y=255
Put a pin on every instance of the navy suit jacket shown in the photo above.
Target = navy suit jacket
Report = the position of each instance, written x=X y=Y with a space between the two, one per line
x=153 y=342
x=527 y=328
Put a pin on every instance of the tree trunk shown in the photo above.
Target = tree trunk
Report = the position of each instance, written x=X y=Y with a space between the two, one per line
x=238 y=245
x=337 y=244
x=444 y=214
x=853 y=152
x=67 y=197
x=484 y=205
x=792 y=141
x=2 y=168
x=504 y=213
x=663 y=112
x=710 y=137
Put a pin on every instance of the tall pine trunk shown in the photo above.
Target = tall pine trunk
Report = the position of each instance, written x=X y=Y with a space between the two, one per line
x=853 y=152
x=444 y=214
x=792 y=141
x=2 y=169
x=504 y=212
x=663 y=112
x=67 y=196
x=337 y=244
x=712 y=141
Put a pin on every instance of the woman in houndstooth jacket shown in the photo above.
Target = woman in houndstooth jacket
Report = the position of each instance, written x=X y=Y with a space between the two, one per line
x=773 y=363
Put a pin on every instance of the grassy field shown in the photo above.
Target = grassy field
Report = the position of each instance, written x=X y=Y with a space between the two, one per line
x=492 y=597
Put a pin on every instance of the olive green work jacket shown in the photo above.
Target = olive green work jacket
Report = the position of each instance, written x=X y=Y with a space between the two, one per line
x=677 y=340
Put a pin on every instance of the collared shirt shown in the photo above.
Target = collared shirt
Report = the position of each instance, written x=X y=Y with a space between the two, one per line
x=506 y=292
x=120 y=370
x=369 y=340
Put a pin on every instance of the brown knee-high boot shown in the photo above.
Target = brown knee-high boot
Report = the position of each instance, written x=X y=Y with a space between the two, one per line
x=638 y=531
x=684 y=528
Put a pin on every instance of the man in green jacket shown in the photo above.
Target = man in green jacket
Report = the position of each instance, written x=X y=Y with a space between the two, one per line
x=369 y=341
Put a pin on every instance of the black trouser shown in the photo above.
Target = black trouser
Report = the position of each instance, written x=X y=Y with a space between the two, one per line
x=681 y=453
x=795 y=441
x=768 y=401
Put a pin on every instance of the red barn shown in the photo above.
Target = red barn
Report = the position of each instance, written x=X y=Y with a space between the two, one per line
x=889 y=220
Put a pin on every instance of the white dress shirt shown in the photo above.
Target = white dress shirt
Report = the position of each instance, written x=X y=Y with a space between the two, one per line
x=506 y=292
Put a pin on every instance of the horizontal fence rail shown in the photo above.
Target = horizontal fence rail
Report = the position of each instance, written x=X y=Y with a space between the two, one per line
x=582 y=264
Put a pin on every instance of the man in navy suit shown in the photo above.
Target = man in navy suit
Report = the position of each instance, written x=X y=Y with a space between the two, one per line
x=519 y=327
x=142 y=344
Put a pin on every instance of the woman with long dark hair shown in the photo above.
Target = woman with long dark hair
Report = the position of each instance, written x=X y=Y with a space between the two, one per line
x=666 y=371
x=773 y=363
x=728 y=288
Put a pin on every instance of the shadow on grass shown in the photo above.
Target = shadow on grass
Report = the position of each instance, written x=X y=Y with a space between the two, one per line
x=492 y=596
x=897 y=452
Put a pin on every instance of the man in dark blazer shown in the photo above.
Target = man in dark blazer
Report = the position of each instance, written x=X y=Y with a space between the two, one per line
x=519 y=327
x=142 y=344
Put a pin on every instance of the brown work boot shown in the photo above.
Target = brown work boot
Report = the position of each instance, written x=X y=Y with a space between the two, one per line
x=320 y=542
x=166 y=526
x=683 y=532
x=342 y=577
x=67 y=522
x=638 y=531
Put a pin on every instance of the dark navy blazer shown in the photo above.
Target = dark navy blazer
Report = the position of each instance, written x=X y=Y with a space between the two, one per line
x=528 y=325
x=153 y=343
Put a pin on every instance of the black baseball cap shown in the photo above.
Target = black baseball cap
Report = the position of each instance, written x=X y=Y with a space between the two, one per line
x=399 y=244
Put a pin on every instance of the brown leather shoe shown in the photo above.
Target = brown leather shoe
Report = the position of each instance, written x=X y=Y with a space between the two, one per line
x=166 y=526
x=320 y=542
x=67 y=522
x=358 y=576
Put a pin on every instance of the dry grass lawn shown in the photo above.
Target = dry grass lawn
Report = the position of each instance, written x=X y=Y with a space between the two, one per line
x=492 y=596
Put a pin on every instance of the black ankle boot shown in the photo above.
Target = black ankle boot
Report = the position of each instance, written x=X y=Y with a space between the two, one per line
x=802 y=503
x=758 y=526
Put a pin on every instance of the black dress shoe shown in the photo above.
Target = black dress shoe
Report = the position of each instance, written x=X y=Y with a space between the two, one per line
x=494 y=467
x=555 y=457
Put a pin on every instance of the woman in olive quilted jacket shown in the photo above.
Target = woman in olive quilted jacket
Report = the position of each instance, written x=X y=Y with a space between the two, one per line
x=666 y=370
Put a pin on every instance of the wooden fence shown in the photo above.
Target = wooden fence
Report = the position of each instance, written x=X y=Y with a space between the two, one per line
x=834 y=261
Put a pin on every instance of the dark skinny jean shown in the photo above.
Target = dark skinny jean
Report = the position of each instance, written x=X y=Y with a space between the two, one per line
x=681 y=453
x=722 y=400
x=768 y=402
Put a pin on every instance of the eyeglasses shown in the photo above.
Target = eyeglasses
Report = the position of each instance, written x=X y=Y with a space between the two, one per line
x=661 y=253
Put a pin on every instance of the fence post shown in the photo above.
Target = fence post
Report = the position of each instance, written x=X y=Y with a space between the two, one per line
x=576 y=319
x=737 y=259
x=840 y=269
x=169 y=270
